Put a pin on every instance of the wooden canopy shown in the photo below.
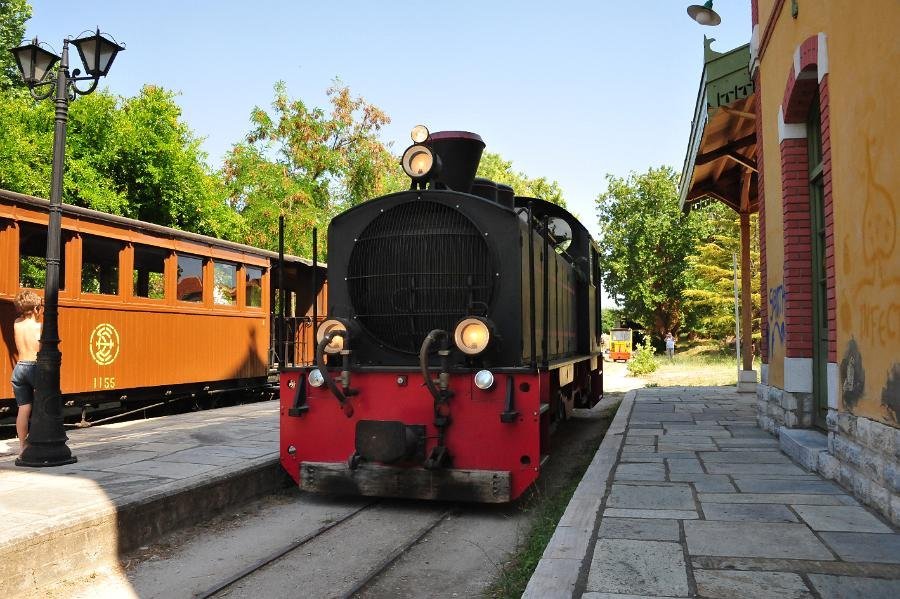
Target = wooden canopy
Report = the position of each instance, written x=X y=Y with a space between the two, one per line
x=720 y=162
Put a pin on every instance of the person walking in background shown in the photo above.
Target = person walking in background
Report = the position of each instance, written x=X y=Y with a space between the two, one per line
x=27 y=331
x=670 y=346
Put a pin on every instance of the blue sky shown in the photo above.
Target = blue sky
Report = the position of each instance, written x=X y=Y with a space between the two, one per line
x=567 y=90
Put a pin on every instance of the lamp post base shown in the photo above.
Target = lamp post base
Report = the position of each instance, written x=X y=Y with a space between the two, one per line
x=36 y=456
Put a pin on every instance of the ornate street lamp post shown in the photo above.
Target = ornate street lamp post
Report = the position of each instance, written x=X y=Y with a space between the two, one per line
x=47 y=436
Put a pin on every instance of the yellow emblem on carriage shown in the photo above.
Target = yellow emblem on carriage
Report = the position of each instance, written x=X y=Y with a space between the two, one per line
x=104 y=344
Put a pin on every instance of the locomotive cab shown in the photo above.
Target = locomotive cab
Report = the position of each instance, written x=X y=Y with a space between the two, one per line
x=460 y=328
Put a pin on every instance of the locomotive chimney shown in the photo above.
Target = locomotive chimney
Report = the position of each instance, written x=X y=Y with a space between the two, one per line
x=459 y=153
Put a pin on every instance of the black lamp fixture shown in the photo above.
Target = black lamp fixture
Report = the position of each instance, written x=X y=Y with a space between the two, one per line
x=97 y=53
x=705 y=15
x=34 y=62
x=47 y=436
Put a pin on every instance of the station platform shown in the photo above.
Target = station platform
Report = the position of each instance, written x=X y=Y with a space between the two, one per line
x=687 y=497
x=133 y=482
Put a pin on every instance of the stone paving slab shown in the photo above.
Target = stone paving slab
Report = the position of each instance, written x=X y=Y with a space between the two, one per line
x=754 y=539
x=840 y=518
x=865 y=547
x=651 y=497
x=640 y=529
x=638 y=567
x=843 y=587
x=742 y=512
x=702 y=503
x=759 y=585
x=782 y=498
x=124 y=489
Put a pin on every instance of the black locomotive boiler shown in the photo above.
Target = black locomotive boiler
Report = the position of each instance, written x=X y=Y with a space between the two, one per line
x=463 y=322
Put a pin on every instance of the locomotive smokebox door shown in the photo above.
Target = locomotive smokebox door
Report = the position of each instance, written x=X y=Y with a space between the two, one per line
x=389 y=440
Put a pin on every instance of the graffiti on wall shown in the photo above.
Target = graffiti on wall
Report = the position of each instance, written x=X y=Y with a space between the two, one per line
x=890 y=395
x=777 y=301
x=853 y=377
x=870 y=303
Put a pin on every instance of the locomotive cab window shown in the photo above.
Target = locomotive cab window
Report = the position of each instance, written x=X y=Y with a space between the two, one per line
x=100 y=265
x=33 y=257
x=225 y=286
x=190 y=279
x=148 y=276
x=253 y=284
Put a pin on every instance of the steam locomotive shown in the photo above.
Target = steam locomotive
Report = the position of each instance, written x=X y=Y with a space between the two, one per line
x=463 y=324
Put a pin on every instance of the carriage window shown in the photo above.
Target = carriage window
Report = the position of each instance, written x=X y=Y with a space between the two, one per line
x=100 y=265
x=225 y=288
x=33 y=257
x=148 y=276
x=190 y=279
x=254 y=286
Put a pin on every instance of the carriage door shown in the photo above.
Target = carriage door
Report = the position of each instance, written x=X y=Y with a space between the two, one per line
x=819 y=277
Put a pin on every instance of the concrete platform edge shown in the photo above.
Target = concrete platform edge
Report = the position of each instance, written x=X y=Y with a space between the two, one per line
x=566 y=559
x=99 y=540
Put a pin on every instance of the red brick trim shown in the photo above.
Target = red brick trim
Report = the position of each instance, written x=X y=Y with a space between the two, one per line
x=798 y=95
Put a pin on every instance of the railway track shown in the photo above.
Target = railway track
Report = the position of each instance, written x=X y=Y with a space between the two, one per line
x=318 y=542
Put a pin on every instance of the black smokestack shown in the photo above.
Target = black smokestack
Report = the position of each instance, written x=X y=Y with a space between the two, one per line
x=459 y=153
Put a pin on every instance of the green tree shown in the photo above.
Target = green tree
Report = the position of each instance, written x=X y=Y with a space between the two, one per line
x=709 y=296
x=13 y=15
x=308 y=164
x=645 y=241
x=610 y=319
x=129 y=156
x=495 y=168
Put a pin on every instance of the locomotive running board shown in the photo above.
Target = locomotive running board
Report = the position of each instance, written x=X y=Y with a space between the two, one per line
x=485 y=486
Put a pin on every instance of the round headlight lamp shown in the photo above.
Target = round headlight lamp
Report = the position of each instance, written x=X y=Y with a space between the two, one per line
x=419 y=134
x=484 y=379
x=337 y=343
x=472 y=336
x=417 y=161
x=315 y=378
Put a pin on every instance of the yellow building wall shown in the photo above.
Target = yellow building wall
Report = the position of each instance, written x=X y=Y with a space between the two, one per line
x=864 y=97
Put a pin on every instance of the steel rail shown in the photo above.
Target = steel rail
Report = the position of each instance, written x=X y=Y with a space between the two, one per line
x=281 y=552
x=386 y=563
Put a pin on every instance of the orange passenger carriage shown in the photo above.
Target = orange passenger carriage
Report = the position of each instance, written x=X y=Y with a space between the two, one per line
x=463 y=324
x=150 y=313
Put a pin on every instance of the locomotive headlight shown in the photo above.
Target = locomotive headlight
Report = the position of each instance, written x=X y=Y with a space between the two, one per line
x=337 y=343
x=419 y=134
x=417 y=161
x=315 y=378
x=472 y=335
x=484 y=379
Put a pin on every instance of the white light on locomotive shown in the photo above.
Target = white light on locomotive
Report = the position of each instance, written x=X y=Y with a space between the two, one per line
x=472 y=336
x=315 y=378
x=337 y=343
x=484 y=379
x=419 y=134
x=417 y=161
